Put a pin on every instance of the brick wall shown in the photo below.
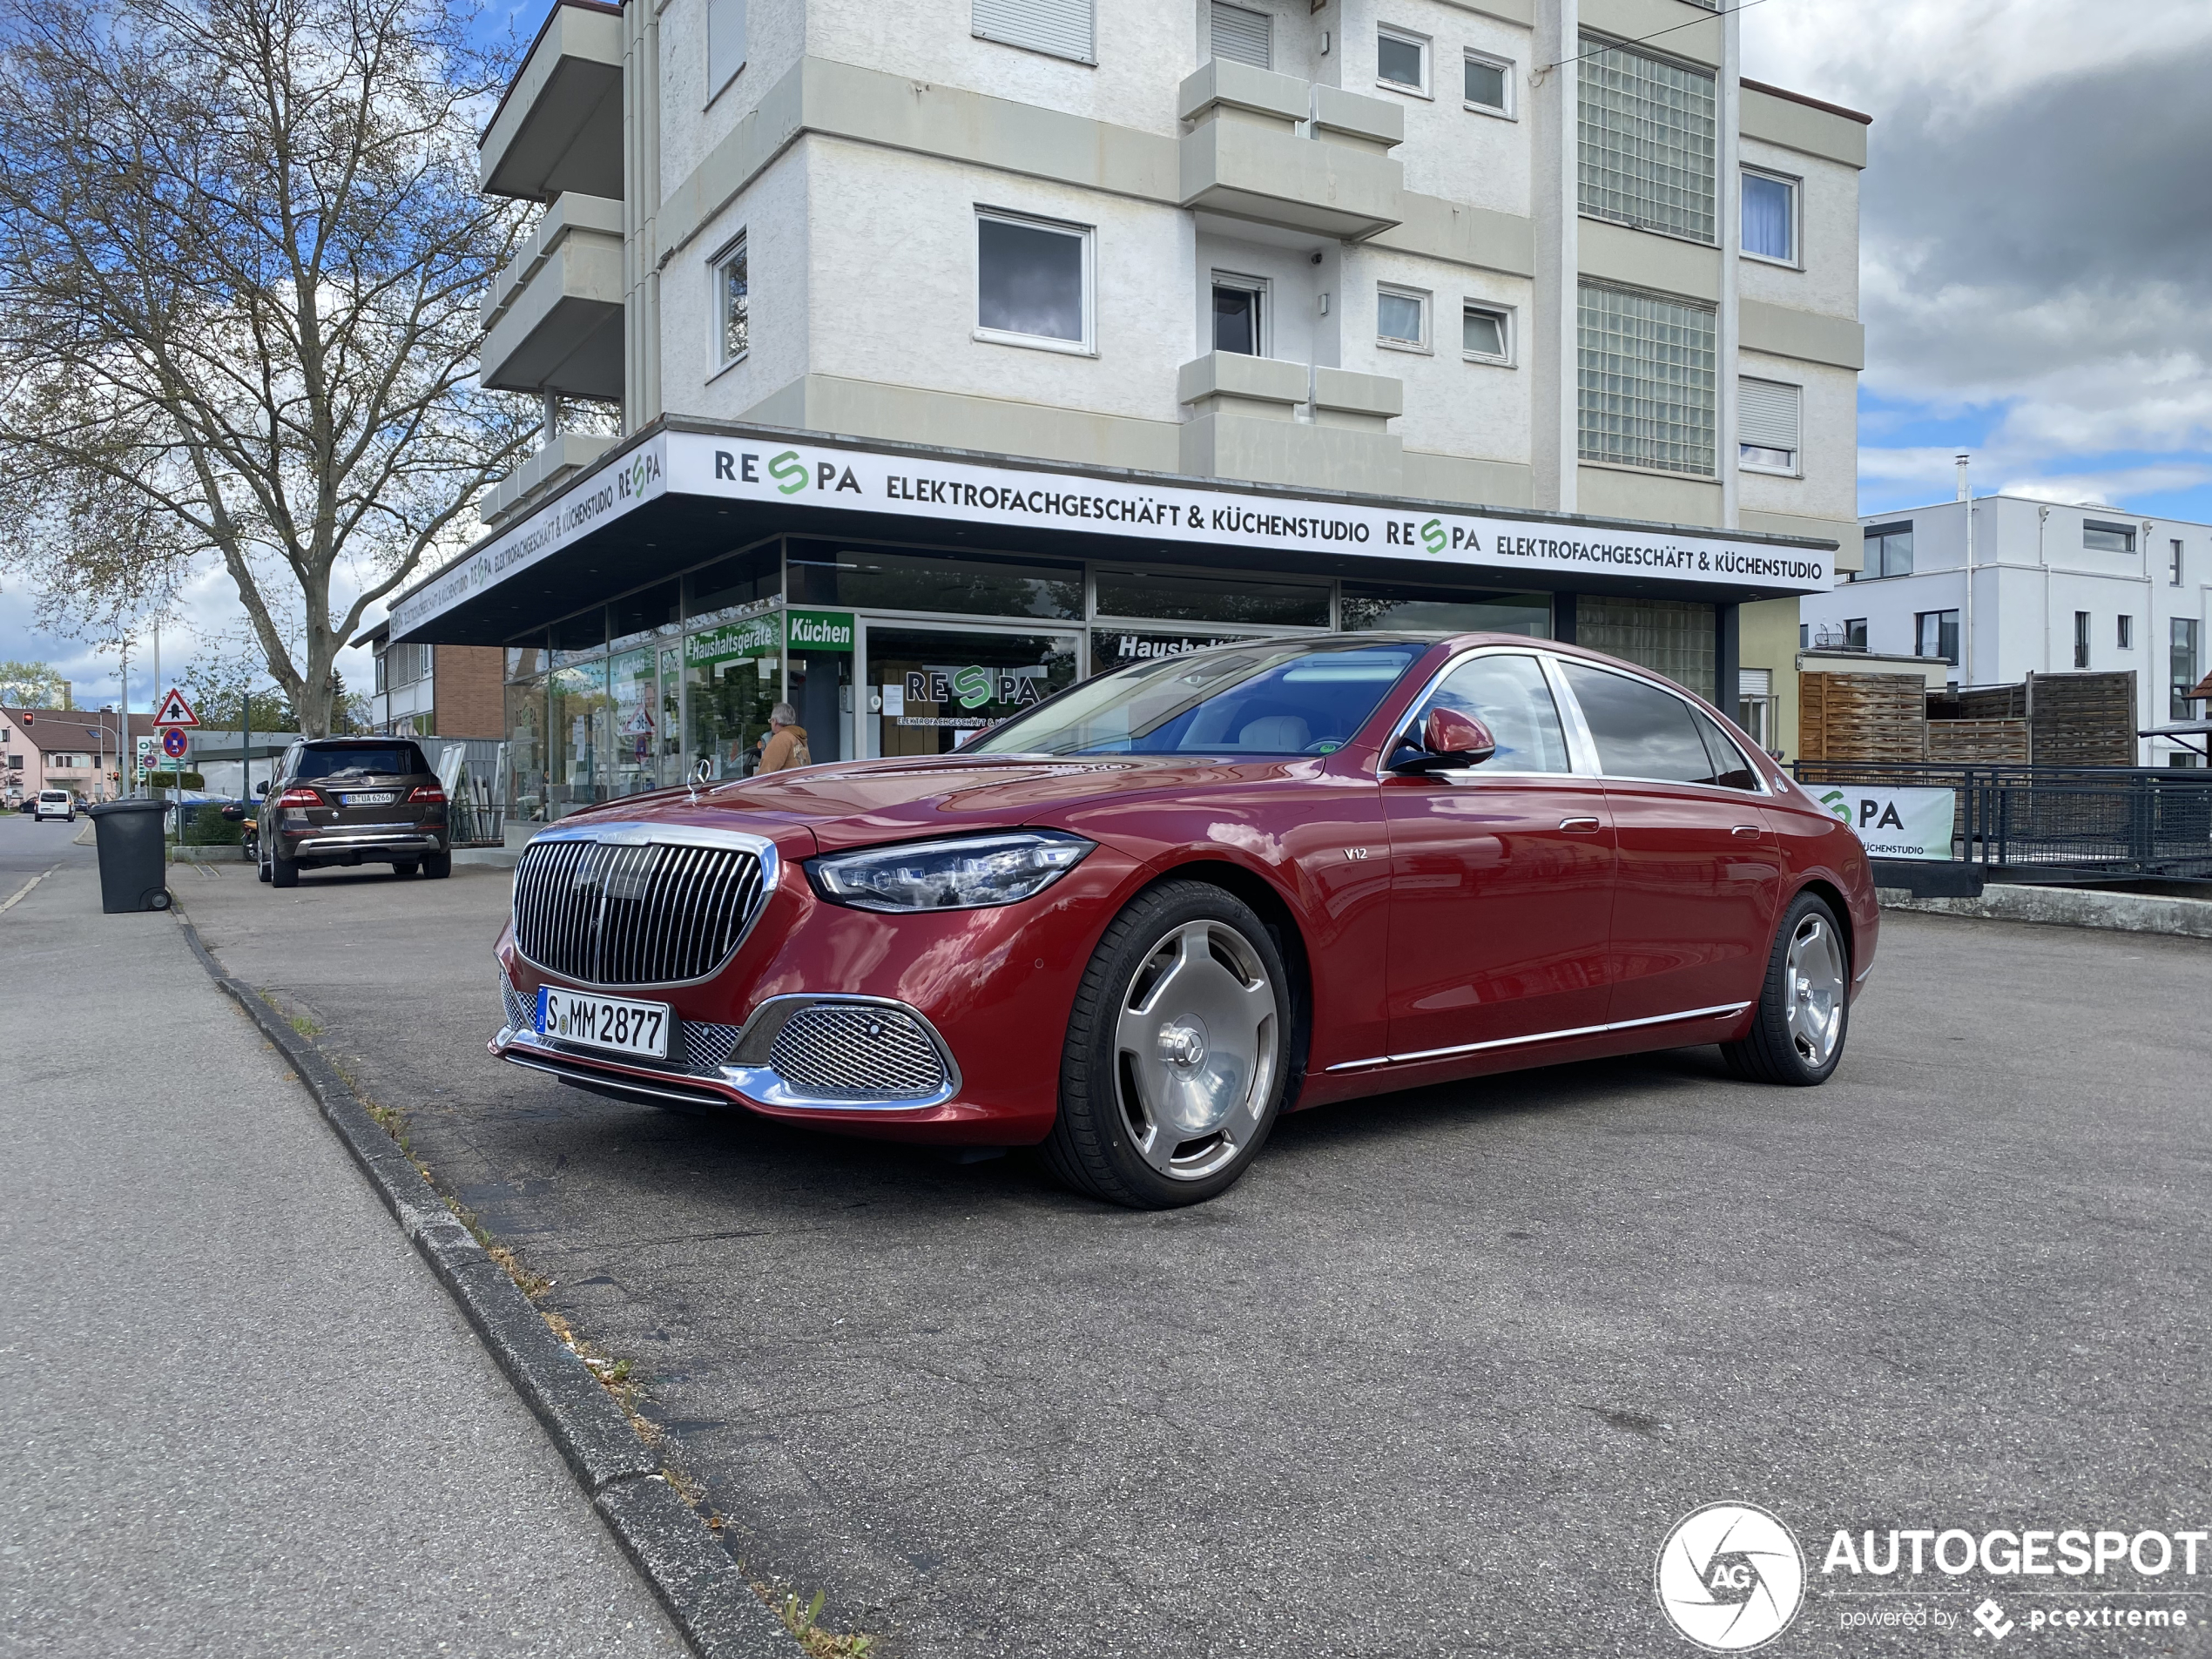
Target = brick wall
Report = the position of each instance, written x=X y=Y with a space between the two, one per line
x=467 y=683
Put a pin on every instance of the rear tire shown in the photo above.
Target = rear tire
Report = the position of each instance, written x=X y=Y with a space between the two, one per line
x=1177 y=1056
x=283 y=872
x=437 y=866
x=1797 y=1031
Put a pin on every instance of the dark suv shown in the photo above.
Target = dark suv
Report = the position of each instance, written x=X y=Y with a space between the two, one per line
x=354 y=800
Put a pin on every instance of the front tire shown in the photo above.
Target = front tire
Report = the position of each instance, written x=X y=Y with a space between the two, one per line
x=1797 y=1031
x=1177 y=1060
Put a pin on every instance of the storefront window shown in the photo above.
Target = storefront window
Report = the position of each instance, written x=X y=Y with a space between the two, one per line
x=1365 y=605
x=668 y=733
x=580 y=736
x=932 y=690
x=1676 y=637
x=1119 y=647
x=736 y=586
x=823 y=573
x=526 y=756
x=1176 y=596
x=641 y=615
x=633 y=697
x=732 y=677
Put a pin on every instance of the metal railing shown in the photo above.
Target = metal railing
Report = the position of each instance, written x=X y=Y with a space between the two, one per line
x=2078 y=822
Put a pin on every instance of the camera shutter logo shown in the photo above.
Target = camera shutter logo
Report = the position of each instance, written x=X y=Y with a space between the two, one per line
x=1731 y=1577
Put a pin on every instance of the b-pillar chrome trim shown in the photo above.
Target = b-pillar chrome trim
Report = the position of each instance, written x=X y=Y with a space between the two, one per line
x=1717 y=1012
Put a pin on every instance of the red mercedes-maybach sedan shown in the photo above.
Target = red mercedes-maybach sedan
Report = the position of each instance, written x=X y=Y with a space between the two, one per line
x=1139 y=921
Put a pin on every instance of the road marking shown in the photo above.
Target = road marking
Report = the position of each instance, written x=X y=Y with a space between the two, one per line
x=16 y=897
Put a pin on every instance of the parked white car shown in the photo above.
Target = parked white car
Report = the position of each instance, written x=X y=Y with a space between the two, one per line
x=55 y=803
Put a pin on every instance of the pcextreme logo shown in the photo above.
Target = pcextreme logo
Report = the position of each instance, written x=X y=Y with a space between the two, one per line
x=1731 y=1577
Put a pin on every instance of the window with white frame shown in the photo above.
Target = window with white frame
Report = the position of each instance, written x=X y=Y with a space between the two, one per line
x=2100 y=537
x=1486 y=83
x=1401 y=60
x=1485 y=333
x=725 y=47
x=1768 y=416
x=2081 y=639
x=2174 y=566
x=1402 y=318
x=2127 y=638
x=1240 y=318
x=1242 y=34
x=1935 y=633
x=1033 y=282
x=732 y=303
x=1647 y=132
x=1645 y=380
x=2180 y=667
x=1769 y=216
x=1060 y=28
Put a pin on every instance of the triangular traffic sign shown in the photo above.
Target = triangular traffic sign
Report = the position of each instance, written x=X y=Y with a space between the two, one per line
x=174 y=710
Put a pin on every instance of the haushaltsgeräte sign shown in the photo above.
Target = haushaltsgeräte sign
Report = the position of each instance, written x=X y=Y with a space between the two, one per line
x=701 y=464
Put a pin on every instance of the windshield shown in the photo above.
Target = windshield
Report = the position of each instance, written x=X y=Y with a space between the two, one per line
x=400 y=761
x=1290 y=699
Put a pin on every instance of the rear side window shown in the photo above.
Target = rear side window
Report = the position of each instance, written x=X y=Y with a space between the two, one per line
x=1509 y=694
x=395 y=760
x=1640 y=730
x=1731 y=769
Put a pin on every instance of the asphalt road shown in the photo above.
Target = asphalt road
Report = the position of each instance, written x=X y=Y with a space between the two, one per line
x=28 y=847
x=240 y=1416
x=1439 y=1375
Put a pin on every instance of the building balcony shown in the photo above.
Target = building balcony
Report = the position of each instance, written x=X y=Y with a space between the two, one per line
x=559 y=126
x=553 y=319
x=1279 y=151
x=1272 y=421
x=566 y=454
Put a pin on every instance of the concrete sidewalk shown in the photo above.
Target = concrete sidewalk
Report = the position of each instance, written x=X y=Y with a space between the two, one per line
x=241 y=1416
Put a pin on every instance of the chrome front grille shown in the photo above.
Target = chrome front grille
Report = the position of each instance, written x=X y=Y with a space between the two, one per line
x=632 y=911
x=520 y=1016
x=854 y=1052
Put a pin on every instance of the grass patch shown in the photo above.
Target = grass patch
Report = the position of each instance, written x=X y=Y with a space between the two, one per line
x=804 y=1622
x=306 y=1027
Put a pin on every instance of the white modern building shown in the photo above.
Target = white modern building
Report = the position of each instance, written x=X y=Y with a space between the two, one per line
x=1530 y=314
x=2054 y=589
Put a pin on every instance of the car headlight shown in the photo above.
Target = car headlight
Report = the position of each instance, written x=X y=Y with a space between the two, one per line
x=965 y=874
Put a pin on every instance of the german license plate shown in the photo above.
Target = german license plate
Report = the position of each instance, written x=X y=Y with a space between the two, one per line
x=609 y=1022
x=380 y=798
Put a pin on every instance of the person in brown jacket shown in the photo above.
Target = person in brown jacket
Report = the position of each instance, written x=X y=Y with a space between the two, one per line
x=787 y=741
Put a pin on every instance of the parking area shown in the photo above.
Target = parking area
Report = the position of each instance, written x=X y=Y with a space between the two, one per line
x=1438 y=1376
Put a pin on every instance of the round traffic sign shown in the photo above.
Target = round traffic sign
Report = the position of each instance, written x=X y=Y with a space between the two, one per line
x=173 y=744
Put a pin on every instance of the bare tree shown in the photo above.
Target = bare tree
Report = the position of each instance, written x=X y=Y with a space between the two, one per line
x=241 y=249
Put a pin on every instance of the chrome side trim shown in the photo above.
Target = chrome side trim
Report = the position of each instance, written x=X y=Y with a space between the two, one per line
x=1719 y=1011
x=750 y=1073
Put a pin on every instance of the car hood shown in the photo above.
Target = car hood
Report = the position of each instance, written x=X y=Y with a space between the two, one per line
x=860 y=803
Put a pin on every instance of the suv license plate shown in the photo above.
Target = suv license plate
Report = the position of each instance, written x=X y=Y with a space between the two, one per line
x=384 y=798
x=609 y=1022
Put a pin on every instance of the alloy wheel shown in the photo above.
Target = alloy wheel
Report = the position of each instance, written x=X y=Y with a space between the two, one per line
x=1815 y=967
x=1196 y=1045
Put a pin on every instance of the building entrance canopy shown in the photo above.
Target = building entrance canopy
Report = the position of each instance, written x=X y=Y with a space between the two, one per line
x=652 y=508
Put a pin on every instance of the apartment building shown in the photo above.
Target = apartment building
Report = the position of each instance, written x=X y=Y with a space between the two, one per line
x=72 y=749
x=2052 y=589
x=989 y=343
x=426 y=690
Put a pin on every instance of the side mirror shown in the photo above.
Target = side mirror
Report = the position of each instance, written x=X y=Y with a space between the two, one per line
x=1449 y=739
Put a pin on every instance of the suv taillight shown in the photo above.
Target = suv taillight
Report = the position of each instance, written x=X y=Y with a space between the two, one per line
x=428 y=795
x=298 y=798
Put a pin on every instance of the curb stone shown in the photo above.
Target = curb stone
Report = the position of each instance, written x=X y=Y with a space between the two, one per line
x=692 y=1574
x=2132 y=913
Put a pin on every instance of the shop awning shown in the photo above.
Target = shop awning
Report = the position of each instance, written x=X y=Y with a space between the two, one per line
x=678 y=494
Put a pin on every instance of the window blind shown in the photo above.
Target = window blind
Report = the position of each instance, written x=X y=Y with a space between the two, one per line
x=1766 y=414
x=1063 y=28
x=724 y=42
x=1242 y=34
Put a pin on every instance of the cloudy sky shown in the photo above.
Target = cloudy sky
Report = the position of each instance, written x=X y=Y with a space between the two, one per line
x=2036 y=259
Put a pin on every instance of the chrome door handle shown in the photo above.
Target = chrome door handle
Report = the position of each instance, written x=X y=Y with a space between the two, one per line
x=1580 y=826
x=1749 y=832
